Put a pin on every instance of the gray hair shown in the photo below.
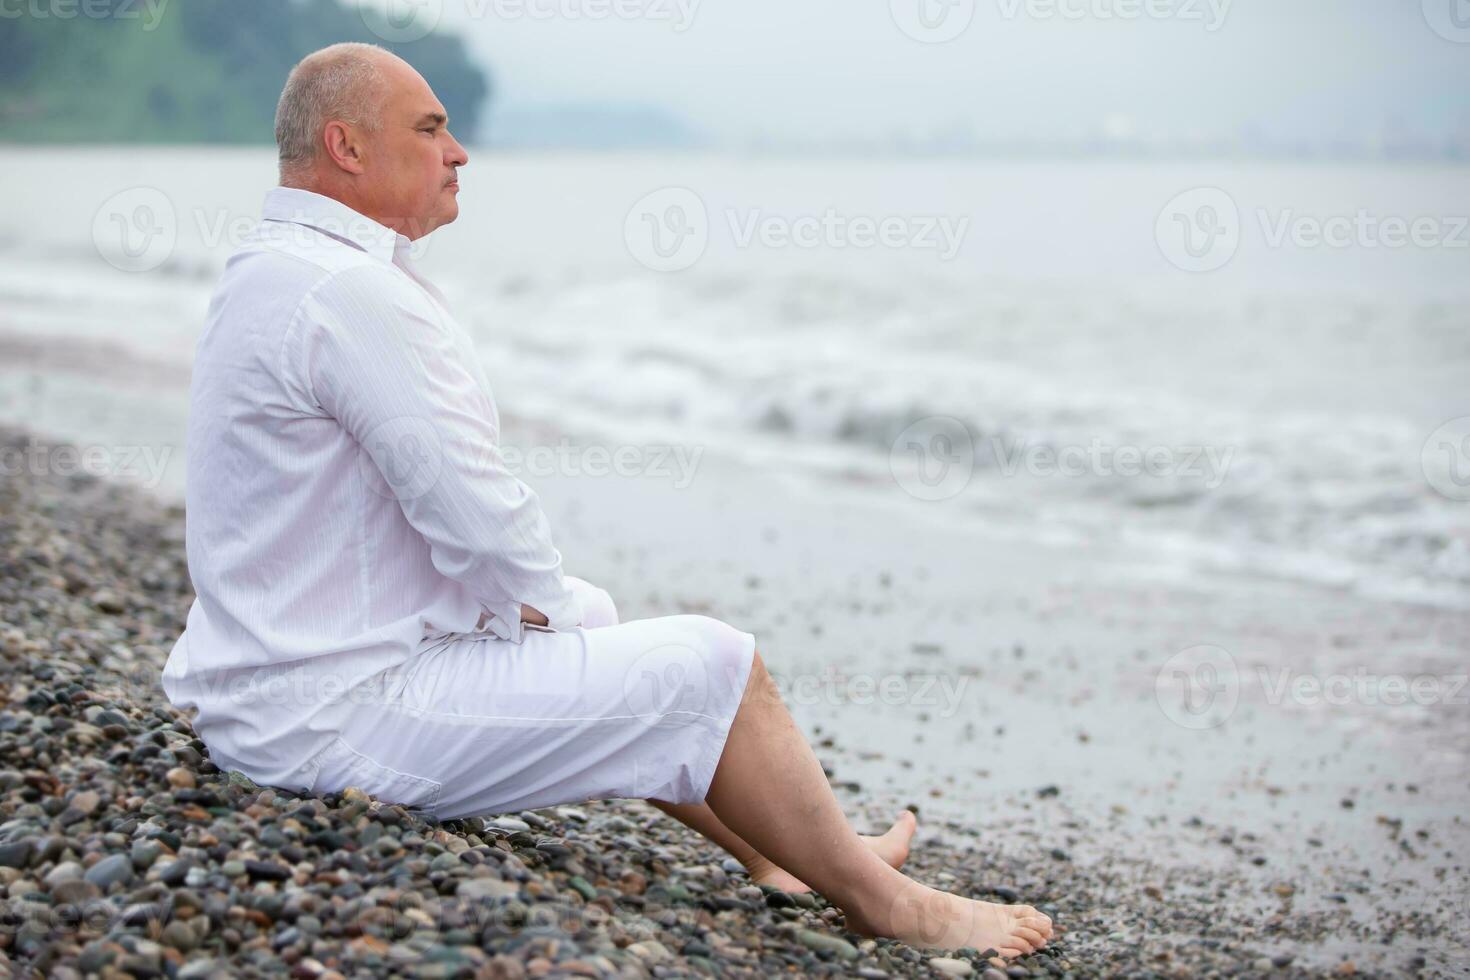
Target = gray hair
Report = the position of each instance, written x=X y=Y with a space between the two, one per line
x=339 y=82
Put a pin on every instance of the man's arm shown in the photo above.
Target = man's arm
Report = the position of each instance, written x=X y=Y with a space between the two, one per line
x=376 y=355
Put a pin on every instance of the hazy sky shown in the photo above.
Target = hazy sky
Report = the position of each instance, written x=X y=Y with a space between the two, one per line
x=1030 y=68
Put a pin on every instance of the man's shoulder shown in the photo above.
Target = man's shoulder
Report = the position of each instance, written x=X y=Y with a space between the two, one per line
x=294 y=253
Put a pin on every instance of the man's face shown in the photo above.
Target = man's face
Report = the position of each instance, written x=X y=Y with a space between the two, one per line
x=412 y=161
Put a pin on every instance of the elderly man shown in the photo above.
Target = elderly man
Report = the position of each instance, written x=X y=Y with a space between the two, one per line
x=379 y=602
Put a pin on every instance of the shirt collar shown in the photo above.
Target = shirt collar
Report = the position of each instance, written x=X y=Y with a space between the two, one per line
x=329 y=215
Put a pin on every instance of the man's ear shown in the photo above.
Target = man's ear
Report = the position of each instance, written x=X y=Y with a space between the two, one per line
x=343 y=146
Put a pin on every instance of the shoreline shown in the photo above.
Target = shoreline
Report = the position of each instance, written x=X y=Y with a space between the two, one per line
x=92 y=569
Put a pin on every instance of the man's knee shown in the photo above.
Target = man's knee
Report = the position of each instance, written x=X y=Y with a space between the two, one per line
x=726 y=653
x=597 y=604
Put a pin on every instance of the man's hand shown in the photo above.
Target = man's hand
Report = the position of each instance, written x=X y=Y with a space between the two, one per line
x=532 y=616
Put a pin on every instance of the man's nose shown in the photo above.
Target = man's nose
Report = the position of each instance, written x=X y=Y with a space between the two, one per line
x=457 y=156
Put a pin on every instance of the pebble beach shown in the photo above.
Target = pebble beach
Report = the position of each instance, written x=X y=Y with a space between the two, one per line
x=124 y=852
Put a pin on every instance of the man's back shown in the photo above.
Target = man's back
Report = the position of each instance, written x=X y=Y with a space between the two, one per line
x=325 y=364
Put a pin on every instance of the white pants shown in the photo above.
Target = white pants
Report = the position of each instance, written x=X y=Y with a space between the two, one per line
x=475 y=725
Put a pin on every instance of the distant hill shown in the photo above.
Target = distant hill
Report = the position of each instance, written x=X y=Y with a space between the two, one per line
x=188 y=71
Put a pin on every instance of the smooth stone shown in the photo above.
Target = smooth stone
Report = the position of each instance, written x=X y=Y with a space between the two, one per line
x=476 y=888
x=178 y=935
x=65 y=871
x=650 y=950
x=74 y=891
x=267 y=870
x=175 y=872
x=86 y=801
x=15 y=854
x=145 y=852
x=510 y=824
x=821 y=942
x=951 y=967
x=113 y=869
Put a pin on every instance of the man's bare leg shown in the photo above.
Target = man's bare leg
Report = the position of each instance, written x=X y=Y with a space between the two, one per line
x=797 y=822
x=892 y=847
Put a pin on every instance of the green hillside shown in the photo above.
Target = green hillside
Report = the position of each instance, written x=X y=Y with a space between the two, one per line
x=187 y=71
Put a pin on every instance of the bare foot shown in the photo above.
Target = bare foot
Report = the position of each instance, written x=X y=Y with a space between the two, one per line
x=892 y=847
x=929 y=919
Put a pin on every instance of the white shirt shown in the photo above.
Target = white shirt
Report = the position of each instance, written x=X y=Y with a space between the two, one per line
x=345 y=496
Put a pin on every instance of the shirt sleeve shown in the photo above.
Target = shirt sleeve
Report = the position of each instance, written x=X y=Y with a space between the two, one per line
x=375 y=353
